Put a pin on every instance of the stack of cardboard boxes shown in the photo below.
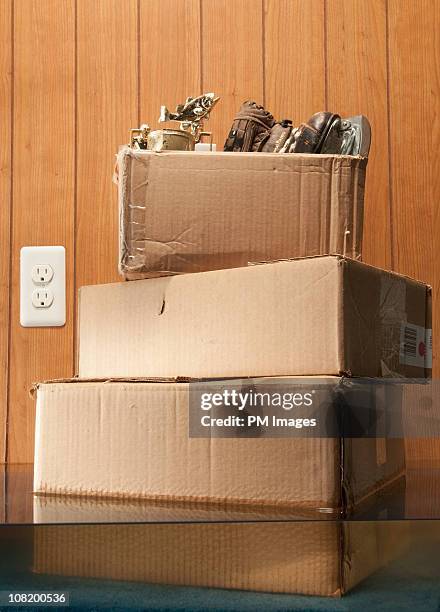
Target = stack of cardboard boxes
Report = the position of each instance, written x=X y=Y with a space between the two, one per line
x=307 y=308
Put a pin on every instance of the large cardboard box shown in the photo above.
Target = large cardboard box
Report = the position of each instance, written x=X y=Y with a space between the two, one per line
x=323 y=315
x=132 y=440
x=191 y=211
x=312 y=558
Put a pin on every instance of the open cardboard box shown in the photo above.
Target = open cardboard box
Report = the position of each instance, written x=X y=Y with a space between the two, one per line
x=192 y=211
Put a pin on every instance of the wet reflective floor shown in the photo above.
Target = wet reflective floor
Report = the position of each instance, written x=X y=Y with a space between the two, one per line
x=137 y=555
x=411 y=582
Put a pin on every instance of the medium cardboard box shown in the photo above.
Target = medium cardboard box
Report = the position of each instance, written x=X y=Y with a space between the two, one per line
x=192 y=211
x=323 y=315
x=312 y=558
x=131 y=440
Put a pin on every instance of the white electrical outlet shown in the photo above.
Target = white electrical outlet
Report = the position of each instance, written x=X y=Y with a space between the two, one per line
x=42 y=274
x=43 y=286
x=42 y=298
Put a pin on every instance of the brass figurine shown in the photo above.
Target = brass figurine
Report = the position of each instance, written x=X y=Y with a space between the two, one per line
x=191 y=116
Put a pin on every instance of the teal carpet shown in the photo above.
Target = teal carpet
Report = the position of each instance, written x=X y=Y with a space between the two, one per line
x=410 y=584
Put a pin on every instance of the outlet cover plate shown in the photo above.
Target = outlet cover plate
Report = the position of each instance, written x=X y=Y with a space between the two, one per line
x=55 y=314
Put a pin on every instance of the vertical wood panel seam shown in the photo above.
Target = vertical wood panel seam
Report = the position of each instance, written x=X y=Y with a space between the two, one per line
x=11 y=203
x=325 y=36
x=201 y=44
x=390 y=164
x=75 y=187
x=138 y=62
x=263 y=48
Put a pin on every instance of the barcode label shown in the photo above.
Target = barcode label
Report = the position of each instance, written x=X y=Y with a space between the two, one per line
x=410 y=342
x=428 y=358
x=415 y=346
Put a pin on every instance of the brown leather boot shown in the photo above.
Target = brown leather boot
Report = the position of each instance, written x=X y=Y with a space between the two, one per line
x=250 y=128
x=309 y=137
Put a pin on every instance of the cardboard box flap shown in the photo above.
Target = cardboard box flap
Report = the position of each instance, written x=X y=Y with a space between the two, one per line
x=77 y=379
x=342 y=257
x=62 y=509
x=306 y=157
x=140 y=379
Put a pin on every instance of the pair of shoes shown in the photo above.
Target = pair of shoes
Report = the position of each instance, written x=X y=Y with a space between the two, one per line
x=254 y=129
x=328 y=133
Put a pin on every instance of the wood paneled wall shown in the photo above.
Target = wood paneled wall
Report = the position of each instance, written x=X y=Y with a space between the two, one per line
x=76 y=75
